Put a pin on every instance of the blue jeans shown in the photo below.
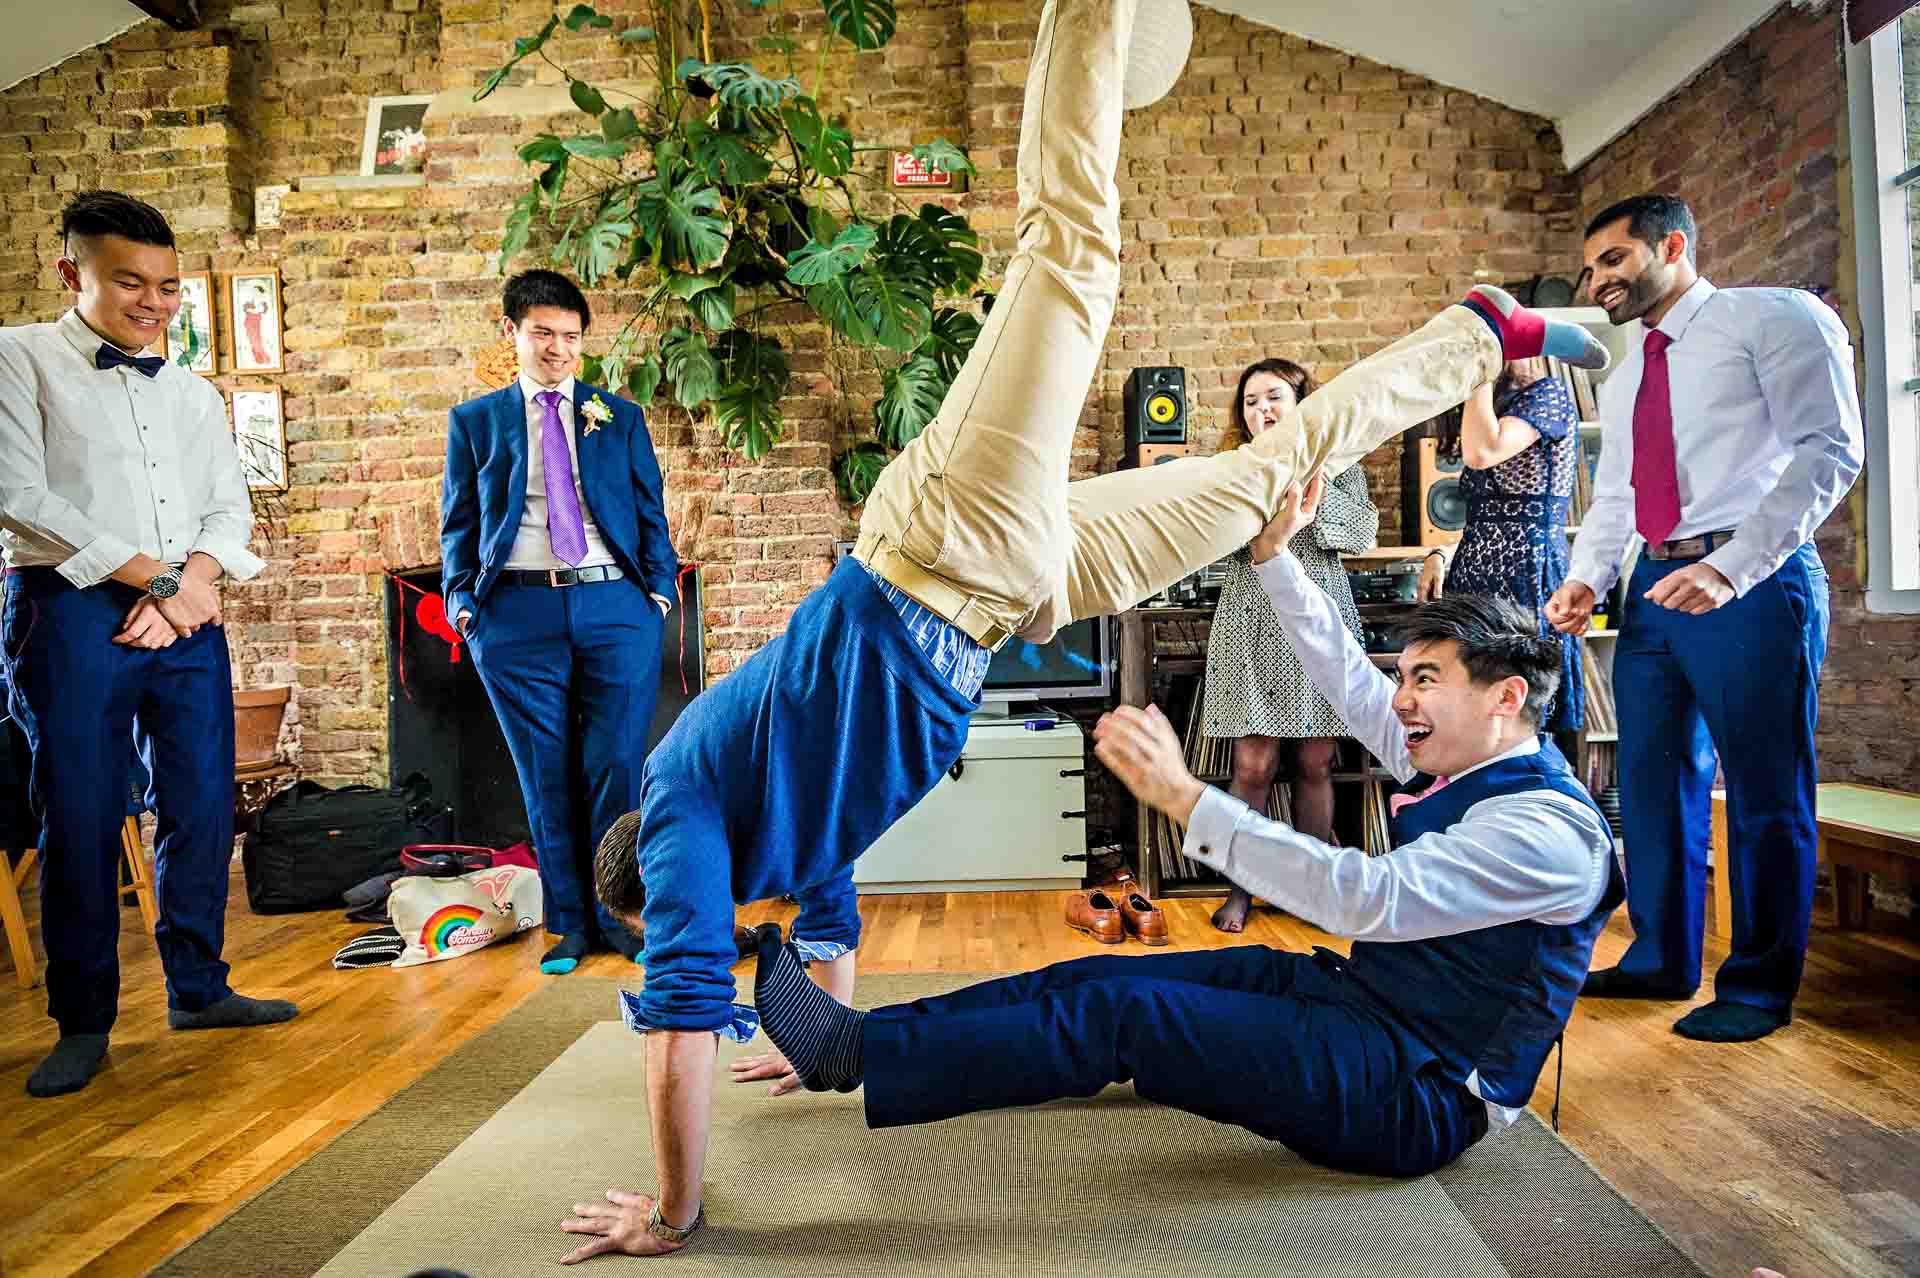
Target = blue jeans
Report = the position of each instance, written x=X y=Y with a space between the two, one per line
x=1743 y=678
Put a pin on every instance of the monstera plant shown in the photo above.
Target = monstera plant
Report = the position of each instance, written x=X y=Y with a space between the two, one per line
x=723 y=195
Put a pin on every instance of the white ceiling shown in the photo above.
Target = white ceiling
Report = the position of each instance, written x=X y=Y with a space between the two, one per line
x=42 y=34
x=1593 y=67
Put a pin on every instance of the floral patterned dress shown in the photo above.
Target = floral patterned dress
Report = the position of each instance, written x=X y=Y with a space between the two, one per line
x=1515 y=543
x=1255 y=685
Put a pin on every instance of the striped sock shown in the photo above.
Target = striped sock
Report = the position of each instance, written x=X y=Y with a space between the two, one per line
x=1525 y=333
x=819 y=1035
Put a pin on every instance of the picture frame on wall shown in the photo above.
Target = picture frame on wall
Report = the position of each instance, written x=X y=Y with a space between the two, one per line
x=260 y=431
x=396 y=138
x=188 y=341
x=253 y=312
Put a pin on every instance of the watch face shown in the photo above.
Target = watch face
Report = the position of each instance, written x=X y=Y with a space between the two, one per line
x=165 y=586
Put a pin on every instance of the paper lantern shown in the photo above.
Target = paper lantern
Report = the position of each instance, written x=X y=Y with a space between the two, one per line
x=1162 y=38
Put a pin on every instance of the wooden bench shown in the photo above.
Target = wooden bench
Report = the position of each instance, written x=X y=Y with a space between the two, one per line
x=1864 y=830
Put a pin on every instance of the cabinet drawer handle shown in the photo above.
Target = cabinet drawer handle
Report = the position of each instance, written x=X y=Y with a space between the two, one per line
x=1073 y=772
x=1070 y=816
x=959 y=766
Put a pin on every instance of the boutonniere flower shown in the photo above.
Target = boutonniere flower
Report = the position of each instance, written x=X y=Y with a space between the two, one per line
x=596 y=413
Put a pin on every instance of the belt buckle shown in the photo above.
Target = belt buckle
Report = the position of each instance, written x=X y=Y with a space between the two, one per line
x=557 y=577
x=994 y=636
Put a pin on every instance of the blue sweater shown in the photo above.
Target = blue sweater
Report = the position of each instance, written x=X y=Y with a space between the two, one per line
x=775 y=779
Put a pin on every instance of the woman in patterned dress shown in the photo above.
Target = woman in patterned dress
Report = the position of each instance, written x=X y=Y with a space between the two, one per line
x=1257 y=692
x=1520 y=440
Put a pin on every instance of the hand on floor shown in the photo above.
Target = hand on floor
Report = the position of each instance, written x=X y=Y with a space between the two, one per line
x=621 y=1226
x=751 y=1069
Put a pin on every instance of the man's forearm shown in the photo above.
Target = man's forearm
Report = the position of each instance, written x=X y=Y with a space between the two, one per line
x=680 y=1099
x=139 y=570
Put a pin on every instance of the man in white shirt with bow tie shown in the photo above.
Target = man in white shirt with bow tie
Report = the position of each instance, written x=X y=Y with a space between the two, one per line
x=1727 y=438
x=121 y=504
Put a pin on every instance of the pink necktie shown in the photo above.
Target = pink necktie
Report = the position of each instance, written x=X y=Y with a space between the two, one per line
x=1398 y=801
x=1656 y=477
x=566 y=530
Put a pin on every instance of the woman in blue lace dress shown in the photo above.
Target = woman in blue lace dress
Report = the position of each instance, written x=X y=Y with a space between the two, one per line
x=1520 y=440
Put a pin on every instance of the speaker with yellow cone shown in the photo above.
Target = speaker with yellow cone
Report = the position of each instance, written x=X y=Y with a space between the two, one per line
x=1154 y=404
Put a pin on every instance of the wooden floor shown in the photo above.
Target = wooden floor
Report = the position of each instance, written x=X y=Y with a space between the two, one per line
x=1801 y=1152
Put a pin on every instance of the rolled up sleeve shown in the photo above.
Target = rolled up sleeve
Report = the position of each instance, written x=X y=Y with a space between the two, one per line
x=688 y=914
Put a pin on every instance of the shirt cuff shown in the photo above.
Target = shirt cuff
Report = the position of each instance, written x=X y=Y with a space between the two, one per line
x=235 y=560
x=820 y=951
x=742 y=1021
x=1738 y=567
x=666 y=605
x=1211 y=827
x=96 y=561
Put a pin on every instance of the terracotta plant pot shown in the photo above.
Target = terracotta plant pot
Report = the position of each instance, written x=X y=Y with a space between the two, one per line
x=257 y=713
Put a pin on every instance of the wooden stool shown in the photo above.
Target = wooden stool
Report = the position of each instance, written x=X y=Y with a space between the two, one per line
x=14 y=919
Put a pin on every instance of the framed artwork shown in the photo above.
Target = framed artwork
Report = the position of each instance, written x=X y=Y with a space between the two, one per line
x=188 y=341
x=253 y=309
x=260 y=430
x=396 y=140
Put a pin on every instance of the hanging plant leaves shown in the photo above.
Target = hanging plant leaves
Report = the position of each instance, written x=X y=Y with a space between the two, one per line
x=586 y=97
x=619 y=125
x=896 y=308
x=747 y=405
x=726 y=158
x=643 y=379
x=584 y=15
x=595 y=148
x=690 y=366
x=909 y=398
x=714 y=306
x=866 y=24
x=519 y=228
x=957 y=268
x=942 y=156
x=949 y=338
x=857 y=470
x=522 y=46
x=816 y=263
x=834 y=302
x=738 y=84
x=829 y=150
x=634 y=35
x=545 y=149
x=681 y=222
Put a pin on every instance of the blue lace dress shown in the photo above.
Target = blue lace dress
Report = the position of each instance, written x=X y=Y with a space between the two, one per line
x=1515 y=543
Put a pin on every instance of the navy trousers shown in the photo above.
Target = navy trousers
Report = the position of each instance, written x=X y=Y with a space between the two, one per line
x=1263 y=1038
x=573 y=672
x=1743 y=678
x=79 y=697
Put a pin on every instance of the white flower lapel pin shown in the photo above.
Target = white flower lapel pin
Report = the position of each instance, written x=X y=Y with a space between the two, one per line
x=596 y=413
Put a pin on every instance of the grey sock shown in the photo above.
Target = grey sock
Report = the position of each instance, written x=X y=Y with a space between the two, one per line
x=70 y=1066
x=235 y=1011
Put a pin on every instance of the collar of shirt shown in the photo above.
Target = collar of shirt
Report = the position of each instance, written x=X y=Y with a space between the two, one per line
x=1530 y=746
x=529 y=388
x=1685 y=308
x=78 y=332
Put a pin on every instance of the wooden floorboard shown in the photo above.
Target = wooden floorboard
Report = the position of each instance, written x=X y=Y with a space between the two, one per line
x=1801 y=1151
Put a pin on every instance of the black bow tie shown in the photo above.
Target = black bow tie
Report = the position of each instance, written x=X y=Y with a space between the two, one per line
x=111 y=356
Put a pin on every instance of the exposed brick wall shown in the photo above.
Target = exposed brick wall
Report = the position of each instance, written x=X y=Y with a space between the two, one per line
x=1286 y=199
x=1756 y=143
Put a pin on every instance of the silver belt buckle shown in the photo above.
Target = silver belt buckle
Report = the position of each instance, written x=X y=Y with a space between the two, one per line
x=553 y=577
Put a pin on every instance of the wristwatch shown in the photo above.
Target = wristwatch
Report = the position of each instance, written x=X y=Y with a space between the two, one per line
x=166 y=585
x=657 y=1225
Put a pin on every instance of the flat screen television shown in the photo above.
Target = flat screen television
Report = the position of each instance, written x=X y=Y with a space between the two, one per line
x=1077 y=662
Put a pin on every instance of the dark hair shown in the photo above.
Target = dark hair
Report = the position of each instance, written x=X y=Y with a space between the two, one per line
x=91 y=214
x=1448 y=425
x=529 y=289
x=616 y=867
x=1497 y=639
x=1284 y=369
x=1650 y=219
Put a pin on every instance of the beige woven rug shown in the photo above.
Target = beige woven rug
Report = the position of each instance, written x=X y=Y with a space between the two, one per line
x=473 y=1167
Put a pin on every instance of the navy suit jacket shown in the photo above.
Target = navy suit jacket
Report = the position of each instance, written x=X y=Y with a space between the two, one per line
x=484 y=493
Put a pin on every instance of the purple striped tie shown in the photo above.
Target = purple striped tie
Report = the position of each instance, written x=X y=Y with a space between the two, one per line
x=566 y=530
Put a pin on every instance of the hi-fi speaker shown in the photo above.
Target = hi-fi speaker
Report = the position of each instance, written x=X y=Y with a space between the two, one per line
x=1434 y=506
x=1154 y=409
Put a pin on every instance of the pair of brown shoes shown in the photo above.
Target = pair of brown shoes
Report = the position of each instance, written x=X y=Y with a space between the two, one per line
x=1112 y=918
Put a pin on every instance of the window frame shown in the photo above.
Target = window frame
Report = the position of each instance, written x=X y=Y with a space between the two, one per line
x=1884 y=263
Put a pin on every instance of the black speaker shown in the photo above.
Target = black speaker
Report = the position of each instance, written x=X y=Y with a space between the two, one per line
x=1154 y=406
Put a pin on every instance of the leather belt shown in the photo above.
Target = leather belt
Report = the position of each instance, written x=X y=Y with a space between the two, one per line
x=934 y=593
x=559 y=576
x=1690 y=547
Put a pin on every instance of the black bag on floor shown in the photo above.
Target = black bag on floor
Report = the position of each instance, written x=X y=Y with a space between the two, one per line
x=310 y=844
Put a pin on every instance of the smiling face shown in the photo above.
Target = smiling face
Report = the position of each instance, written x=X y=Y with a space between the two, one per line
x=128 y=292
x=1264 y=400
x=1633 y=280
x=1452 y=722
x=548 y=341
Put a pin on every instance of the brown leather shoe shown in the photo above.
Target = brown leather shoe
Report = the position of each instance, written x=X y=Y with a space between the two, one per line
x=1143 y=920
x=1095 y=914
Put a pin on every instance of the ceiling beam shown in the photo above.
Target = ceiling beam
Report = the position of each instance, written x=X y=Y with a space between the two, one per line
x=181 y=15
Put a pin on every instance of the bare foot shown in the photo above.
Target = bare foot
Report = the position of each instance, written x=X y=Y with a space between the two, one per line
x=1232 y=917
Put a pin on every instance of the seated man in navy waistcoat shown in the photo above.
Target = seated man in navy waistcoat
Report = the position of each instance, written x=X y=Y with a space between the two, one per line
x=1471 y=938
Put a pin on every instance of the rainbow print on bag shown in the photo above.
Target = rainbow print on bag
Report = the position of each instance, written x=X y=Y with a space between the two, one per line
x=453 y=927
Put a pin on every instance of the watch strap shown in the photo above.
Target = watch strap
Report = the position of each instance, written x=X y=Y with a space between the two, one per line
x=657 y=1225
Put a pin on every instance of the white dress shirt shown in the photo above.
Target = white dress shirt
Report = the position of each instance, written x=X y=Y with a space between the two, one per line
x=1766 y=431
x=1538 y=855
x=99 y=465
x=532 y=544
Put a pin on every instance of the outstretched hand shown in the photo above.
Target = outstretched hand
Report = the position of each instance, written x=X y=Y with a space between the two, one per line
x=1297 y=510
x=619 y=1225
x=773 y=1065
x=1142 y=749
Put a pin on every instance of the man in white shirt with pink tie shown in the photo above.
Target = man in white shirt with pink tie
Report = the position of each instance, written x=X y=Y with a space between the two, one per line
x=1727 y=438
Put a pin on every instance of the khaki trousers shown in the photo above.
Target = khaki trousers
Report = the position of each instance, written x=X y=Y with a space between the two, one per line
x=976 y=518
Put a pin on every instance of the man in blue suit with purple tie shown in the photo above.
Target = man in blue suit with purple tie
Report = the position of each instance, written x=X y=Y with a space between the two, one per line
x=557 y=570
